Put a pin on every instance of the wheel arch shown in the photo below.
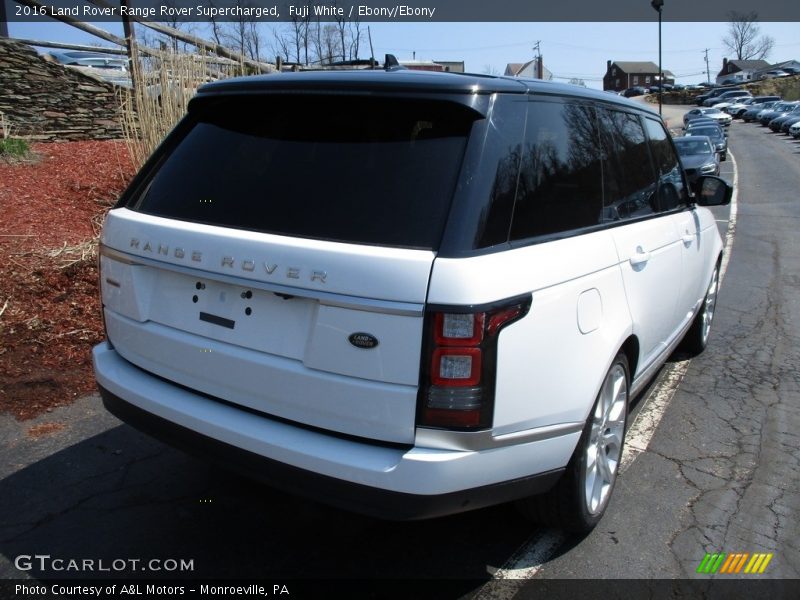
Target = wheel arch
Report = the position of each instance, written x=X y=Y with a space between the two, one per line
x=631 y=349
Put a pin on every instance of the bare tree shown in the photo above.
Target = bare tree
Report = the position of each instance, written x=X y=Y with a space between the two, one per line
x=341 y=28
x=298 y=37
x=242 y=33
x=216 y=28
x=253 y=41
x=744 y=38
x=355 y=38
x=236 y=32
x=282 y=45
x=330 y=44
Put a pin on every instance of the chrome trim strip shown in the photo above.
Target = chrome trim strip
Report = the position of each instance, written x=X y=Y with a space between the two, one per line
x=484 y=440
x=407 y=309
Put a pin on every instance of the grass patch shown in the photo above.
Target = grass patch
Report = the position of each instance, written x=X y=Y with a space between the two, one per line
x=14 y=148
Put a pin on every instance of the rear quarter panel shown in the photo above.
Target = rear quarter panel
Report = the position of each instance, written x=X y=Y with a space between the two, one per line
x=552 y=362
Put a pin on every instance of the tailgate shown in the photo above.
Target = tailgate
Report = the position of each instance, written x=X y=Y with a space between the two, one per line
x=323 y=333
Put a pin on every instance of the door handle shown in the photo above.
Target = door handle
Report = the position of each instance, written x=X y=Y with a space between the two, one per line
x=640 y=258
x=687 y=238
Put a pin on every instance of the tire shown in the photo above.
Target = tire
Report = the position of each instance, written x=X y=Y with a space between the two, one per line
x=723 y=156
x=580 y=498
x=696 y=338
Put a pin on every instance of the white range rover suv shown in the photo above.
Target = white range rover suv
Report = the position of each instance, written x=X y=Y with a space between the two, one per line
x=406 y=294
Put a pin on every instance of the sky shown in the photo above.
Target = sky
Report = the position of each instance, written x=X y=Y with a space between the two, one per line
x=569 y=50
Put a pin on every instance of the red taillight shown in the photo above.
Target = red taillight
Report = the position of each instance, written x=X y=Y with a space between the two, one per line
x=453 y=329
x=456 y=366
x=457 y=390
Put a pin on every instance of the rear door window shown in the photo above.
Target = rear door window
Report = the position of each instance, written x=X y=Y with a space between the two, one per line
x=672 y=191
x=628 y=173
x=343 y=168
x=560 y=181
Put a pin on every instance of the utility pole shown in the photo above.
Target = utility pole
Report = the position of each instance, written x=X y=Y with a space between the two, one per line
x=708 y=72
x=371 y=51
x=539 y=67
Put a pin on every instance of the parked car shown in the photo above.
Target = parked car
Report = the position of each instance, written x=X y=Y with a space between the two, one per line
x=782 y=124
x=733 y=108
x=634 y=91
x=717 y=138
x=738 y=110
x=787 y=124
x=700 y=100
x=696 y=123
x=452 y=312
x=99 y=60
x=709 y=113
x=778 y=110
x=752 y=114
x=776 y=123
x=774 y=74
x=698 y=156
x=109 y=67
x=727 y=97
x=723 y=106
x=794 y=130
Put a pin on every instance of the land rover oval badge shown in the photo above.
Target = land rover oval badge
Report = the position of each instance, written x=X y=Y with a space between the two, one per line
x=363 y=340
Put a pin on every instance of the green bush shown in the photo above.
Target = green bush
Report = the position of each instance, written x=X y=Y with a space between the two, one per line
x=13 y=147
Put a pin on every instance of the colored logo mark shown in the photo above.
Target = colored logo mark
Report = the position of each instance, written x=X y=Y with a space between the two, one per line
x=734 y=563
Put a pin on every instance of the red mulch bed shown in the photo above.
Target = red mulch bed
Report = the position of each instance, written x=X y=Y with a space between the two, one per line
x=51 y=208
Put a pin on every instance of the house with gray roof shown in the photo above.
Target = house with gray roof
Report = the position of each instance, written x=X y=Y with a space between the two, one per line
x=624 y=74
x=528 y=69
x=740 y=70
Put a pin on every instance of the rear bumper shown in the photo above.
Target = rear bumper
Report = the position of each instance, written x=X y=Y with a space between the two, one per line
x=384 y=481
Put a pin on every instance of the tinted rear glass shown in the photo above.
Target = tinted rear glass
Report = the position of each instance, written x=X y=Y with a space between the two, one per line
x=713 y=132
x=560 y=181
x=341 y=168
x=629 y=177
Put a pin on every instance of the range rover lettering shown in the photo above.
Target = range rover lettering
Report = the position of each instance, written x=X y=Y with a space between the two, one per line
x=406 y=294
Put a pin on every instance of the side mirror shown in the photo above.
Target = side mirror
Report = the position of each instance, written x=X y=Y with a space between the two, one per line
x=711 y=190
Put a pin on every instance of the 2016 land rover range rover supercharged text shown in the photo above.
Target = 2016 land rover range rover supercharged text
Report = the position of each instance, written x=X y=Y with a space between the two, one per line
x=407 y=294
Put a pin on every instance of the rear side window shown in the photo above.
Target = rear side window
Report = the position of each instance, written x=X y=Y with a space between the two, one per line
x=628 y=176
x=560 y=183
x=352 y=169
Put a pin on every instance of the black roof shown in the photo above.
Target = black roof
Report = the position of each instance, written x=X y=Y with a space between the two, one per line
x=403 y=80
x=398 y=80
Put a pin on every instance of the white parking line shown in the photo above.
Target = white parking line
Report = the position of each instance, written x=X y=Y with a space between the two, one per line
x=527 y=561
x=730 y=233
x=523 y=565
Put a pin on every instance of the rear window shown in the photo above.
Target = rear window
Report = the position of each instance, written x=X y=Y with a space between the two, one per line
x=341 y=168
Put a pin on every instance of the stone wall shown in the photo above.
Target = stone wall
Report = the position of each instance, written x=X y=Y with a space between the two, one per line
x=42 y=100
